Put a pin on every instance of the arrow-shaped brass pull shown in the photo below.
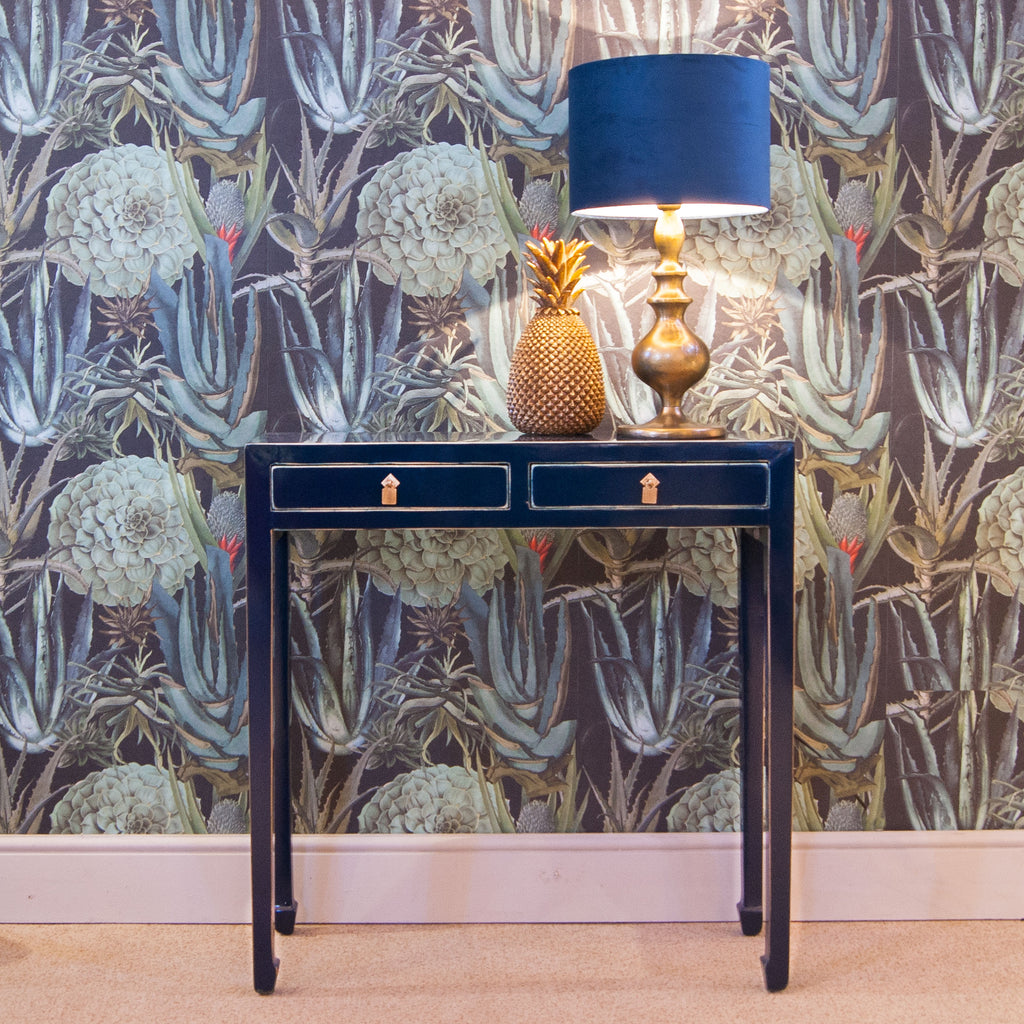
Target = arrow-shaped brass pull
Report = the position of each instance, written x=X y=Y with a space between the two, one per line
x=650 y=489
x=389 y=490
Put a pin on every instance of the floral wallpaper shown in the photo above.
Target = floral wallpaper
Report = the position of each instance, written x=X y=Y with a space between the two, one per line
x=224 y=217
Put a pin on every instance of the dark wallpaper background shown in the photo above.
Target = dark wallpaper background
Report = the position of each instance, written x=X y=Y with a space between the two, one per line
x=219 y=219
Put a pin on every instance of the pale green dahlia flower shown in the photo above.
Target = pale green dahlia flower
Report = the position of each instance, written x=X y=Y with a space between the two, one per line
x=428 y=214
x=745 y=255
x=438 y=799
x=1004 y=221
x=120 y=525
x=711 y=805
x=1000 y=535
x=430 y=566
x=125 y=798
x=116 y=218
x=713 y=553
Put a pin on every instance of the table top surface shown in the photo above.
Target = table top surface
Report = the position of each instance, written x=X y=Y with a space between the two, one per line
x=602 y=444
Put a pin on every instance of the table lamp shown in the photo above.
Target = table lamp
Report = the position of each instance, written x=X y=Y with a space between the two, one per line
x=669 y=136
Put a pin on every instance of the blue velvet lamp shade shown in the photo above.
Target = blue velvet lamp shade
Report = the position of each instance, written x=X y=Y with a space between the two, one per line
x=684 y=129
x=672 y=136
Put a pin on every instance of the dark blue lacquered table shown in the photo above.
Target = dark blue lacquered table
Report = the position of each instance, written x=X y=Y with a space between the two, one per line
x=529 y=483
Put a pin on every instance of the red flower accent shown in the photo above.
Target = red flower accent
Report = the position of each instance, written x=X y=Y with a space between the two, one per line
x=542 y=545
x=542 y=231
x=232 y=545
x=852 y=546
x=231 y=233
x=859 y=235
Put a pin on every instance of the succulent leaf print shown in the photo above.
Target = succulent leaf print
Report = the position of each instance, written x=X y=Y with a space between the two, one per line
x=115 y=215
x=221 y=219
x=430 y=215
x=121 y=526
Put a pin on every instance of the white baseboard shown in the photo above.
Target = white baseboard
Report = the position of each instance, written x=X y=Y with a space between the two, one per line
x=205 y=879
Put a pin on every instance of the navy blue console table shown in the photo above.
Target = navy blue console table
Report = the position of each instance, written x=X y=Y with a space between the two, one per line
x=527 y=483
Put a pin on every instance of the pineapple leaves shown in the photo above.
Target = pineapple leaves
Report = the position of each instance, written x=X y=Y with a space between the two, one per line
x=557 y=266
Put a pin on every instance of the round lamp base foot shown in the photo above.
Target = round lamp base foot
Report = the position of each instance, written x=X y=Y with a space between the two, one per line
x=658 y=430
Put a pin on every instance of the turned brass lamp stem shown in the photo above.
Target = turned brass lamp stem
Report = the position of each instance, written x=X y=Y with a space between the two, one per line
x=670 y=358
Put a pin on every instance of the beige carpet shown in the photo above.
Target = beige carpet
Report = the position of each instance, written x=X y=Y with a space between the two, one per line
x=924 y=973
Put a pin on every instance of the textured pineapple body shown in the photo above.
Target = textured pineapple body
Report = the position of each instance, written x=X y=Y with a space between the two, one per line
x=555 y=384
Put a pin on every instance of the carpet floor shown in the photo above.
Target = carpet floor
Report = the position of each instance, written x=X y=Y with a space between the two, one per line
x=919 y=972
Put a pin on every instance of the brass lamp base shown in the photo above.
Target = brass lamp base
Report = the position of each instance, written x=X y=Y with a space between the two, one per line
x=670 y=358
x=667 y=429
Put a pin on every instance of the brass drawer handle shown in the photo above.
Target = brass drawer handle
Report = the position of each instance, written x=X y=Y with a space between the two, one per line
x=389 y=490
x=650 y=490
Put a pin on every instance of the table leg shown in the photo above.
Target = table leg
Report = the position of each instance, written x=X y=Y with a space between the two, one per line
x=753 y=654
x=779 y=720
x=285 y=906
x=261 y=828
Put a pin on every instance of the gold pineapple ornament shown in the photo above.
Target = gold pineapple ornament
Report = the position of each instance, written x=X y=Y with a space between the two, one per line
x=555 y=385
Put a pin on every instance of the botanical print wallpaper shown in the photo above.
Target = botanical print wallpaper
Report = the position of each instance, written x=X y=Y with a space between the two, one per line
x=219 y=219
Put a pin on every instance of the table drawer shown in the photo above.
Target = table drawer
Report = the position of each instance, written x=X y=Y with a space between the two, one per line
x=413 y=486
x=660 y=484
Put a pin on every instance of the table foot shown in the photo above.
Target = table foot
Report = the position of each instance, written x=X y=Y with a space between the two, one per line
x=264 y=976
x=751 y=918
x=776 y=973
x=284 y=917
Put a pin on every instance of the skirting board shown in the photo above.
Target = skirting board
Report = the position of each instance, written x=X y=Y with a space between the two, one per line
x=694 y=877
